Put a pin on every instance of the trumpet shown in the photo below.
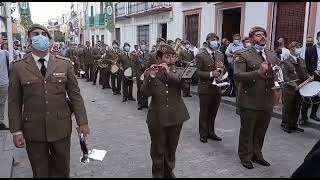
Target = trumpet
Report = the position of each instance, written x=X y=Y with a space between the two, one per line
x=222 y=80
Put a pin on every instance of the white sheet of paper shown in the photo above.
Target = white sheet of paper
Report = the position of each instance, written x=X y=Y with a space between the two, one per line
x=97 y=154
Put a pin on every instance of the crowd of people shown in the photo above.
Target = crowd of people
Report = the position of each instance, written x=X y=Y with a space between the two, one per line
x=45 y=79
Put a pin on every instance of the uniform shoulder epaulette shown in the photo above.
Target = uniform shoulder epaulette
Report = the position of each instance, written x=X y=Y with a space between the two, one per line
x=219 y=51
x=19 y=60
x=241 y=51
x=61 y=57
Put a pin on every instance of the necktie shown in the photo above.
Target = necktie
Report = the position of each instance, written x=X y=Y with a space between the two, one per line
x=260 y=53
x=43 y=68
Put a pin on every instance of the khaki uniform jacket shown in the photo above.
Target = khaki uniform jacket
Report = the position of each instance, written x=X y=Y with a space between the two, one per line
x=254 y=91
x=205 y=64
x=38 y=105
x=185 y=57
x=87 y=53
x=167 y=107
x=141 y=64
x=111 y=57
x=125 y=61
x=293 y=70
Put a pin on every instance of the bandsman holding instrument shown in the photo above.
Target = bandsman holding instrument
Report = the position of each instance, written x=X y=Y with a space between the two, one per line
x=153 y=55
x=97 y=53
x=88 y=61
x=253 y=71
x=127 y=74
x=167 y=111
x=115 y=69
x=185 y=57
x=140 y=66
x=295 y=72
x=209 y=62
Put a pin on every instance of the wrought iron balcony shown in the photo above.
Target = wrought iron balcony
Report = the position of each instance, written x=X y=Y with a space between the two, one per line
x=140 y=9
x=91 y=21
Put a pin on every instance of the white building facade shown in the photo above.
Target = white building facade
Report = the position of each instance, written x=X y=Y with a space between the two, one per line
x=194 y=20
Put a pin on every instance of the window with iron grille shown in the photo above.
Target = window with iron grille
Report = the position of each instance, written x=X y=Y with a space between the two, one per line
x=143 y=33
x=91 y=10
x=97 y=38
x=101 y=7
x=118 y=35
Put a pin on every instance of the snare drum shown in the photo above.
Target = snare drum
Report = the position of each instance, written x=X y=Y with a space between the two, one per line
x=311 y=92
x=128 y=72
x=114 y=68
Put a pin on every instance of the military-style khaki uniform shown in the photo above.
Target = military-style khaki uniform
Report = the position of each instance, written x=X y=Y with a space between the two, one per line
x=185 y=57
x=127 y=83
x=38 y=107
x=292 y=70
x=96 y=54
x=166 y=114
x=140 y=66
x=209 y=95
x=80 y=56
x=88 y=62
x=116 y=77
x=255 y=101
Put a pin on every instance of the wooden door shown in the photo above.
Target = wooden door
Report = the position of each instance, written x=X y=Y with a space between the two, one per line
x=192 y=28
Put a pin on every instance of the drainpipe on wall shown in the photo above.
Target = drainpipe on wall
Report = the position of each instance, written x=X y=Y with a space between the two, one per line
x=9 y=30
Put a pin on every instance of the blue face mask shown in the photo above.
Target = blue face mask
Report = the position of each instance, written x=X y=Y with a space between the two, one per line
x=214 y=45
x=40 y=42
x=259 y=47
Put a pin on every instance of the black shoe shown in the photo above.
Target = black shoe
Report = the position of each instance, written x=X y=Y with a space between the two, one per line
x=286 y=129
x=108 y=87
x=132 y=99
x=94 y=84
x=247 y=164
x=203 y=139
x=214 y=137
x=124 y=99
x=297 y=129
x=140 y=107
x=261 y=162
x=315 y=118
x=114 y=93
x=88 y=80
x=3 y=127
x=104 y=87
x=145 y=106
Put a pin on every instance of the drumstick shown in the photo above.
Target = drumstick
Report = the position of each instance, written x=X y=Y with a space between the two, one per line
x=305 y=82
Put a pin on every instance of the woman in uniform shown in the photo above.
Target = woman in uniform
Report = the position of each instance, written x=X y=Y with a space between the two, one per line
x=167 y=111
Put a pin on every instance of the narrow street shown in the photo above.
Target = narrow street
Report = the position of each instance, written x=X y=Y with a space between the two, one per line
x=120 y=129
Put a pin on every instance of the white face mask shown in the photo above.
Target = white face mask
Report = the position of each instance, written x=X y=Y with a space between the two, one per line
x=143 y=47
x=248 y=44
x=297 y=51
x=127 y=48
x=236 y=42
x=214 y=44
x=187 y=46
x=259 y=47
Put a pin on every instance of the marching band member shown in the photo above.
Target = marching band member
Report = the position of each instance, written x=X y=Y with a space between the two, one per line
x=140 y=66
x=127 y=82
x=293 y=67
x=115 y=78
x=88 y=62
x=256 y=101
x=207 y=61
x=184 y=58
x=167 y=111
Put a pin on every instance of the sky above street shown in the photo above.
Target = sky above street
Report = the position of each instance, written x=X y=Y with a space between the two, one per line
x=41 y=12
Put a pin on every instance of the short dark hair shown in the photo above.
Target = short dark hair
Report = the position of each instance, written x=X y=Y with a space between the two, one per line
x=236 y=35
x=318 y=33
x=159 y=54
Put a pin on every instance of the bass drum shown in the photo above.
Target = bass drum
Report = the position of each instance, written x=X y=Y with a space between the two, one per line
x=128 y=72
x=311 y=92
x=114 y=68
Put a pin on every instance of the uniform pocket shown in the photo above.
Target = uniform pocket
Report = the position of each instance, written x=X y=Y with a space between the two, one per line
x=58 y=85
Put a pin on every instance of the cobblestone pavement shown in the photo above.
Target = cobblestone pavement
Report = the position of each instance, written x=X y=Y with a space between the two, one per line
x=120 y=129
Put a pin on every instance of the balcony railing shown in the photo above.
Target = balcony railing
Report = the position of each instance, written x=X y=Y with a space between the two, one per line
x=91 y=21
x=141 y=8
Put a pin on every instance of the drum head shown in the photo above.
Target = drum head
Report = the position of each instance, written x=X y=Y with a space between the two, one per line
x=142 y=77
x=128 y=72
x=114 y=68
x=311 y=89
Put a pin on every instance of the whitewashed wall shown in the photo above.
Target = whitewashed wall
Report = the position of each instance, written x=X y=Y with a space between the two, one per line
x=256 y=14
x=128 y=28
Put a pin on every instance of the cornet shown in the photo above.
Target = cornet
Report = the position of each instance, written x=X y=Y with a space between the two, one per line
x=222 y=79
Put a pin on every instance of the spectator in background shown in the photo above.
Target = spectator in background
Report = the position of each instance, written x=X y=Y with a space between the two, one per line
x=4 y=83
x=246 y=42
x=282 y=51
x=236 y=45
x=4 y=46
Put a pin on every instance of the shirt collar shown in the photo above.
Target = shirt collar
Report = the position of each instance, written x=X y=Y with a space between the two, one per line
x=210 y=51
x=259 y=50
x=36 y=58
x=293 y=58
